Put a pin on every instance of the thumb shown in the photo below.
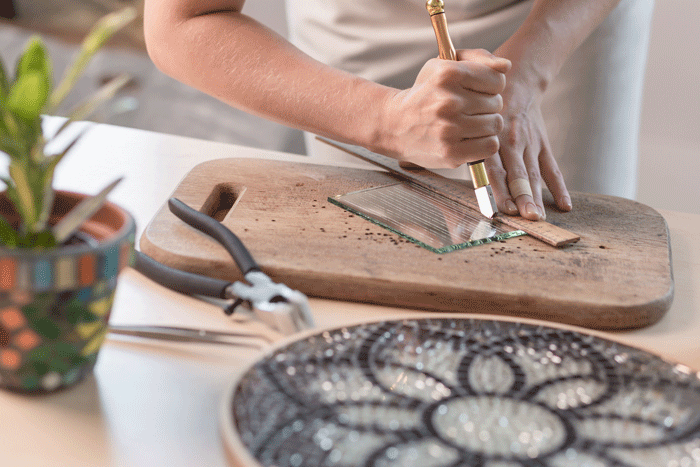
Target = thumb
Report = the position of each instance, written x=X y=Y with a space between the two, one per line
x=502 y=65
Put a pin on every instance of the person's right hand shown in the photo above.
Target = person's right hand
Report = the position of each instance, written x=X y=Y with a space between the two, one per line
x=451 y=114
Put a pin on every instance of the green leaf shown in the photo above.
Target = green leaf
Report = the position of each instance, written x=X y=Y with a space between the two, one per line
x=9 y=122
x=37 y=240
x=49 y=163
x=47 y=196
x=35 y=60
x=80 y=213
x=37 y=180
x=48 y=167
x=28 y=96
x=25 y=203
x=8 y=235
x=101 y=96
x=96 y=38
x=11 y=147
x=4 y=84
x=11 y=193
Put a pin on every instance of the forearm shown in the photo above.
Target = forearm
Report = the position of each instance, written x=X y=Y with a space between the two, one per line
x=549 y=35
x=241 y=62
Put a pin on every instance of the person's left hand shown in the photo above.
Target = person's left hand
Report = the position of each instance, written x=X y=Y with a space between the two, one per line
x=526 y=159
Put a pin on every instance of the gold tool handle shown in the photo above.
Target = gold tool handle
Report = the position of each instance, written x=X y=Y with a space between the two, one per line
x=478 y=173
x=436 y=9
x=437 y=16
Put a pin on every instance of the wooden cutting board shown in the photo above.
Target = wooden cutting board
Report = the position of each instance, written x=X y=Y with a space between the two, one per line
x=618 y=276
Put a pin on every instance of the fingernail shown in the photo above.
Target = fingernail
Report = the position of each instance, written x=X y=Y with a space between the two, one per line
x=531 y=210
x=511 y=208
x=507 y=63
x=543 y=214
x=566 y=202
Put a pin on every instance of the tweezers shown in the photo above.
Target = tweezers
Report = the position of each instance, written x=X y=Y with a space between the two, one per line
x=190 y=335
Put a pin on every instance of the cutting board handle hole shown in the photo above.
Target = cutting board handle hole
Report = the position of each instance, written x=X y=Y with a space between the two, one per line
x=222 y=200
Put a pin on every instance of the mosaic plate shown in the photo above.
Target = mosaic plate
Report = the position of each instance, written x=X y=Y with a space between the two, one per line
x=461 y=392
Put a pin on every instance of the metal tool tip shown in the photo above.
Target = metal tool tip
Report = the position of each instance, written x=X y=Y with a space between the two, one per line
x=487 y=203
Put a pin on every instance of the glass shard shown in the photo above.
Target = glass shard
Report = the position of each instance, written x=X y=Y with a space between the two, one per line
x=424 y=217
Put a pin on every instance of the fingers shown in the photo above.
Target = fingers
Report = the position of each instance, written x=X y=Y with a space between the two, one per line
x=519 y=186
x=484 y=57
x=501 y=193
x=518 y=190
x=451 y=115
x=482 y=105
x=481 y=76
x=453 y=155
x=515 y=197
x=453 y=106
x=474 y=126
x=464 y=123
x=472 y=150
x=528 y=202
x=555 y=181
x=466 y=120
x=485 y=71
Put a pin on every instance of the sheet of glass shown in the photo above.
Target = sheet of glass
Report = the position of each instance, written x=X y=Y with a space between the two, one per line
x=424 y=217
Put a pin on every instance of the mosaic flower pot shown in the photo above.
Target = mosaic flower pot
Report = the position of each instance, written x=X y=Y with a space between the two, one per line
x=55 y=304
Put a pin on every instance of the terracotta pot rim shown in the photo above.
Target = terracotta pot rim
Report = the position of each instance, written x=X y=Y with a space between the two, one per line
x=127 y=226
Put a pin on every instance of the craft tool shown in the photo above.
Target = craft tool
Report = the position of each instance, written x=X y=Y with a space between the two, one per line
x=280 y=307
x=192 y=335
x=482 y=187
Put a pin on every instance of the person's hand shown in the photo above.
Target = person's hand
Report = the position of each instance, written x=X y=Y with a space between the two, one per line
x=451 y=115
x=526 y=159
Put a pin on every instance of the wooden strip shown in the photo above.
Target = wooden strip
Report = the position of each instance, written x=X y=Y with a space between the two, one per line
x=459 y=192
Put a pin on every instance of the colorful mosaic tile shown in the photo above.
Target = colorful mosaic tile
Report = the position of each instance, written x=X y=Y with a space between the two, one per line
x=60 y=338
x=59 y=272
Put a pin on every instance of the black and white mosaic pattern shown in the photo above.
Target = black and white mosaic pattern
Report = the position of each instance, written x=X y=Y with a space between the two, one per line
x=445 y=392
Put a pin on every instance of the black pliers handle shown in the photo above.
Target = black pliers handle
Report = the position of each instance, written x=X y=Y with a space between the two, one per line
x=282 y=308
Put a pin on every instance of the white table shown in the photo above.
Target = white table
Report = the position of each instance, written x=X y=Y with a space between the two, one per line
x=152 y=403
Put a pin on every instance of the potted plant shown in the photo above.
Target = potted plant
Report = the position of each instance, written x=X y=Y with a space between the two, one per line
x=60 y=252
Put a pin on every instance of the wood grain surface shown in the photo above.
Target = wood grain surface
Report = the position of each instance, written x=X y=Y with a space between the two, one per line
x=618 y=276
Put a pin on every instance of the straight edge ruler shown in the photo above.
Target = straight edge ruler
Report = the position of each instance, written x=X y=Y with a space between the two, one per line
x=459 y=192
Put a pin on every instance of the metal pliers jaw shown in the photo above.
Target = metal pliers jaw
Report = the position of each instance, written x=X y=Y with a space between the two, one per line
x=283 y=309
x=276 y=305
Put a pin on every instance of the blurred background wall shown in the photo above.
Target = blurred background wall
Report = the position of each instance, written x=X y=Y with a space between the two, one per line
x=669 y=150
x=669 y=171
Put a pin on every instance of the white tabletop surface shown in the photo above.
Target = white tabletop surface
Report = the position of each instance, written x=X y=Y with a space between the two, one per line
x=152 y=403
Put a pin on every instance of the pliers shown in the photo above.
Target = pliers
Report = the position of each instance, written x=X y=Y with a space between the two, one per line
x=283 y=309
